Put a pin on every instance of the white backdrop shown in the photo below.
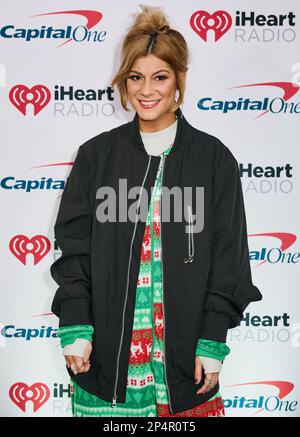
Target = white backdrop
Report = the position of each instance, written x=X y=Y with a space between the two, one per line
x=39 y=141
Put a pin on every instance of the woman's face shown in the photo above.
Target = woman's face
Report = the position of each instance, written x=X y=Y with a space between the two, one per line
x=152 y=80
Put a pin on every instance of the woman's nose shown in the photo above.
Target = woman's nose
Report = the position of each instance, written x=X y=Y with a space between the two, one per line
x=146 y=88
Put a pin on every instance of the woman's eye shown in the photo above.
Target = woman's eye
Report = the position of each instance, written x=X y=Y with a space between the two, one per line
x=160 y=76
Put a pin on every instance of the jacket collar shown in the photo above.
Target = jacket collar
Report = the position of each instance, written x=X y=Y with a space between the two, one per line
x=184 y=132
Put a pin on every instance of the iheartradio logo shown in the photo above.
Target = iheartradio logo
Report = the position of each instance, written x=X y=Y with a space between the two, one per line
x=39 y=96
x=20 y=246
x=38 y=393
x=248 y=25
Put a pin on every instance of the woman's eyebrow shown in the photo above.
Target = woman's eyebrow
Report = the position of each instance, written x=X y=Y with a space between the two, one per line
x=159 y=71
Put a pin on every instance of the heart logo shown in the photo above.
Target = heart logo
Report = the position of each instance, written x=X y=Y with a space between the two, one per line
x=20 y=96
x=21 y=246
x=201 y=22
x=21 y=393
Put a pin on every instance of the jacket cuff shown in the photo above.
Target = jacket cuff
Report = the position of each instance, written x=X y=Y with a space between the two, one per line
x=212 y=349
x=75 y=311
x=69 y=334
x=214 y=326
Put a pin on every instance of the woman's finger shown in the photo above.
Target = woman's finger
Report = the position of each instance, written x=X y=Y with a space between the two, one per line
x=73 y=363
x=205 y=388
x=78 y=363
x=68 y=362
x=86 y=367
x=87 y=353
x=210 y=381
x=198 y=370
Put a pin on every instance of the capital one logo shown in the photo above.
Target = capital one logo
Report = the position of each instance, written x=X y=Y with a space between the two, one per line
x=263 y=402
x=202 y=21
x=20 y=246
x=37 y=393
x=38 y=96
x=276 y=254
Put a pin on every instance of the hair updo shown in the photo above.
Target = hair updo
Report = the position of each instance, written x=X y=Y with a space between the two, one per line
x=151 y=33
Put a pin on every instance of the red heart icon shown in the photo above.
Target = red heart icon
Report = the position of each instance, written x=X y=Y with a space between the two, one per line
x=201 y=22
x=20 y=96
x=20 y=246
x=37 y=393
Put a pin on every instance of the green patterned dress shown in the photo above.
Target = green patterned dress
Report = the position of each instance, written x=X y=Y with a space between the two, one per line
x=146 y=393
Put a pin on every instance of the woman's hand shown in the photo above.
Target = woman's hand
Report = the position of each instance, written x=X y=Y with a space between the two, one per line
x=211 y=379
x=79 y=364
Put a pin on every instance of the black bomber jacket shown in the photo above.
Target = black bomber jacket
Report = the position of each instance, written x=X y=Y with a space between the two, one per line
x=205 y=292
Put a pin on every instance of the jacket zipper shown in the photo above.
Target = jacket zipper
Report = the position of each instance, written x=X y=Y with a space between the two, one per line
x=164 y=342
x=114 y=399
x=190 y=258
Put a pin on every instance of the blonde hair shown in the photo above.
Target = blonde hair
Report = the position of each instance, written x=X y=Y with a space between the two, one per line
x=151 y=33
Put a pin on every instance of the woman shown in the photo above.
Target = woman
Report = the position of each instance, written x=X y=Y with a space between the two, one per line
x=144 y=304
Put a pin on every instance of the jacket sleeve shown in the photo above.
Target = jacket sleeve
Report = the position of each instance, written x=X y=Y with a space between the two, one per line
x=72 y=230
x=229 y=288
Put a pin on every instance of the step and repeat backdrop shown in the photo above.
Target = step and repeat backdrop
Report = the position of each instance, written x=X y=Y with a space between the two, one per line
x=57 y=61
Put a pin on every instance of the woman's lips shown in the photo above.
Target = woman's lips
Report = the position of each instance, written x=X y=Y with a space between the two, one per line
x=149 y=106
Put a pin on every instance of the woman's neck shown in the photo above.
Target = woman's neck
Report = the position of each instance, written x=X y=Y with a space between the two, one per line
x=158 y=124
